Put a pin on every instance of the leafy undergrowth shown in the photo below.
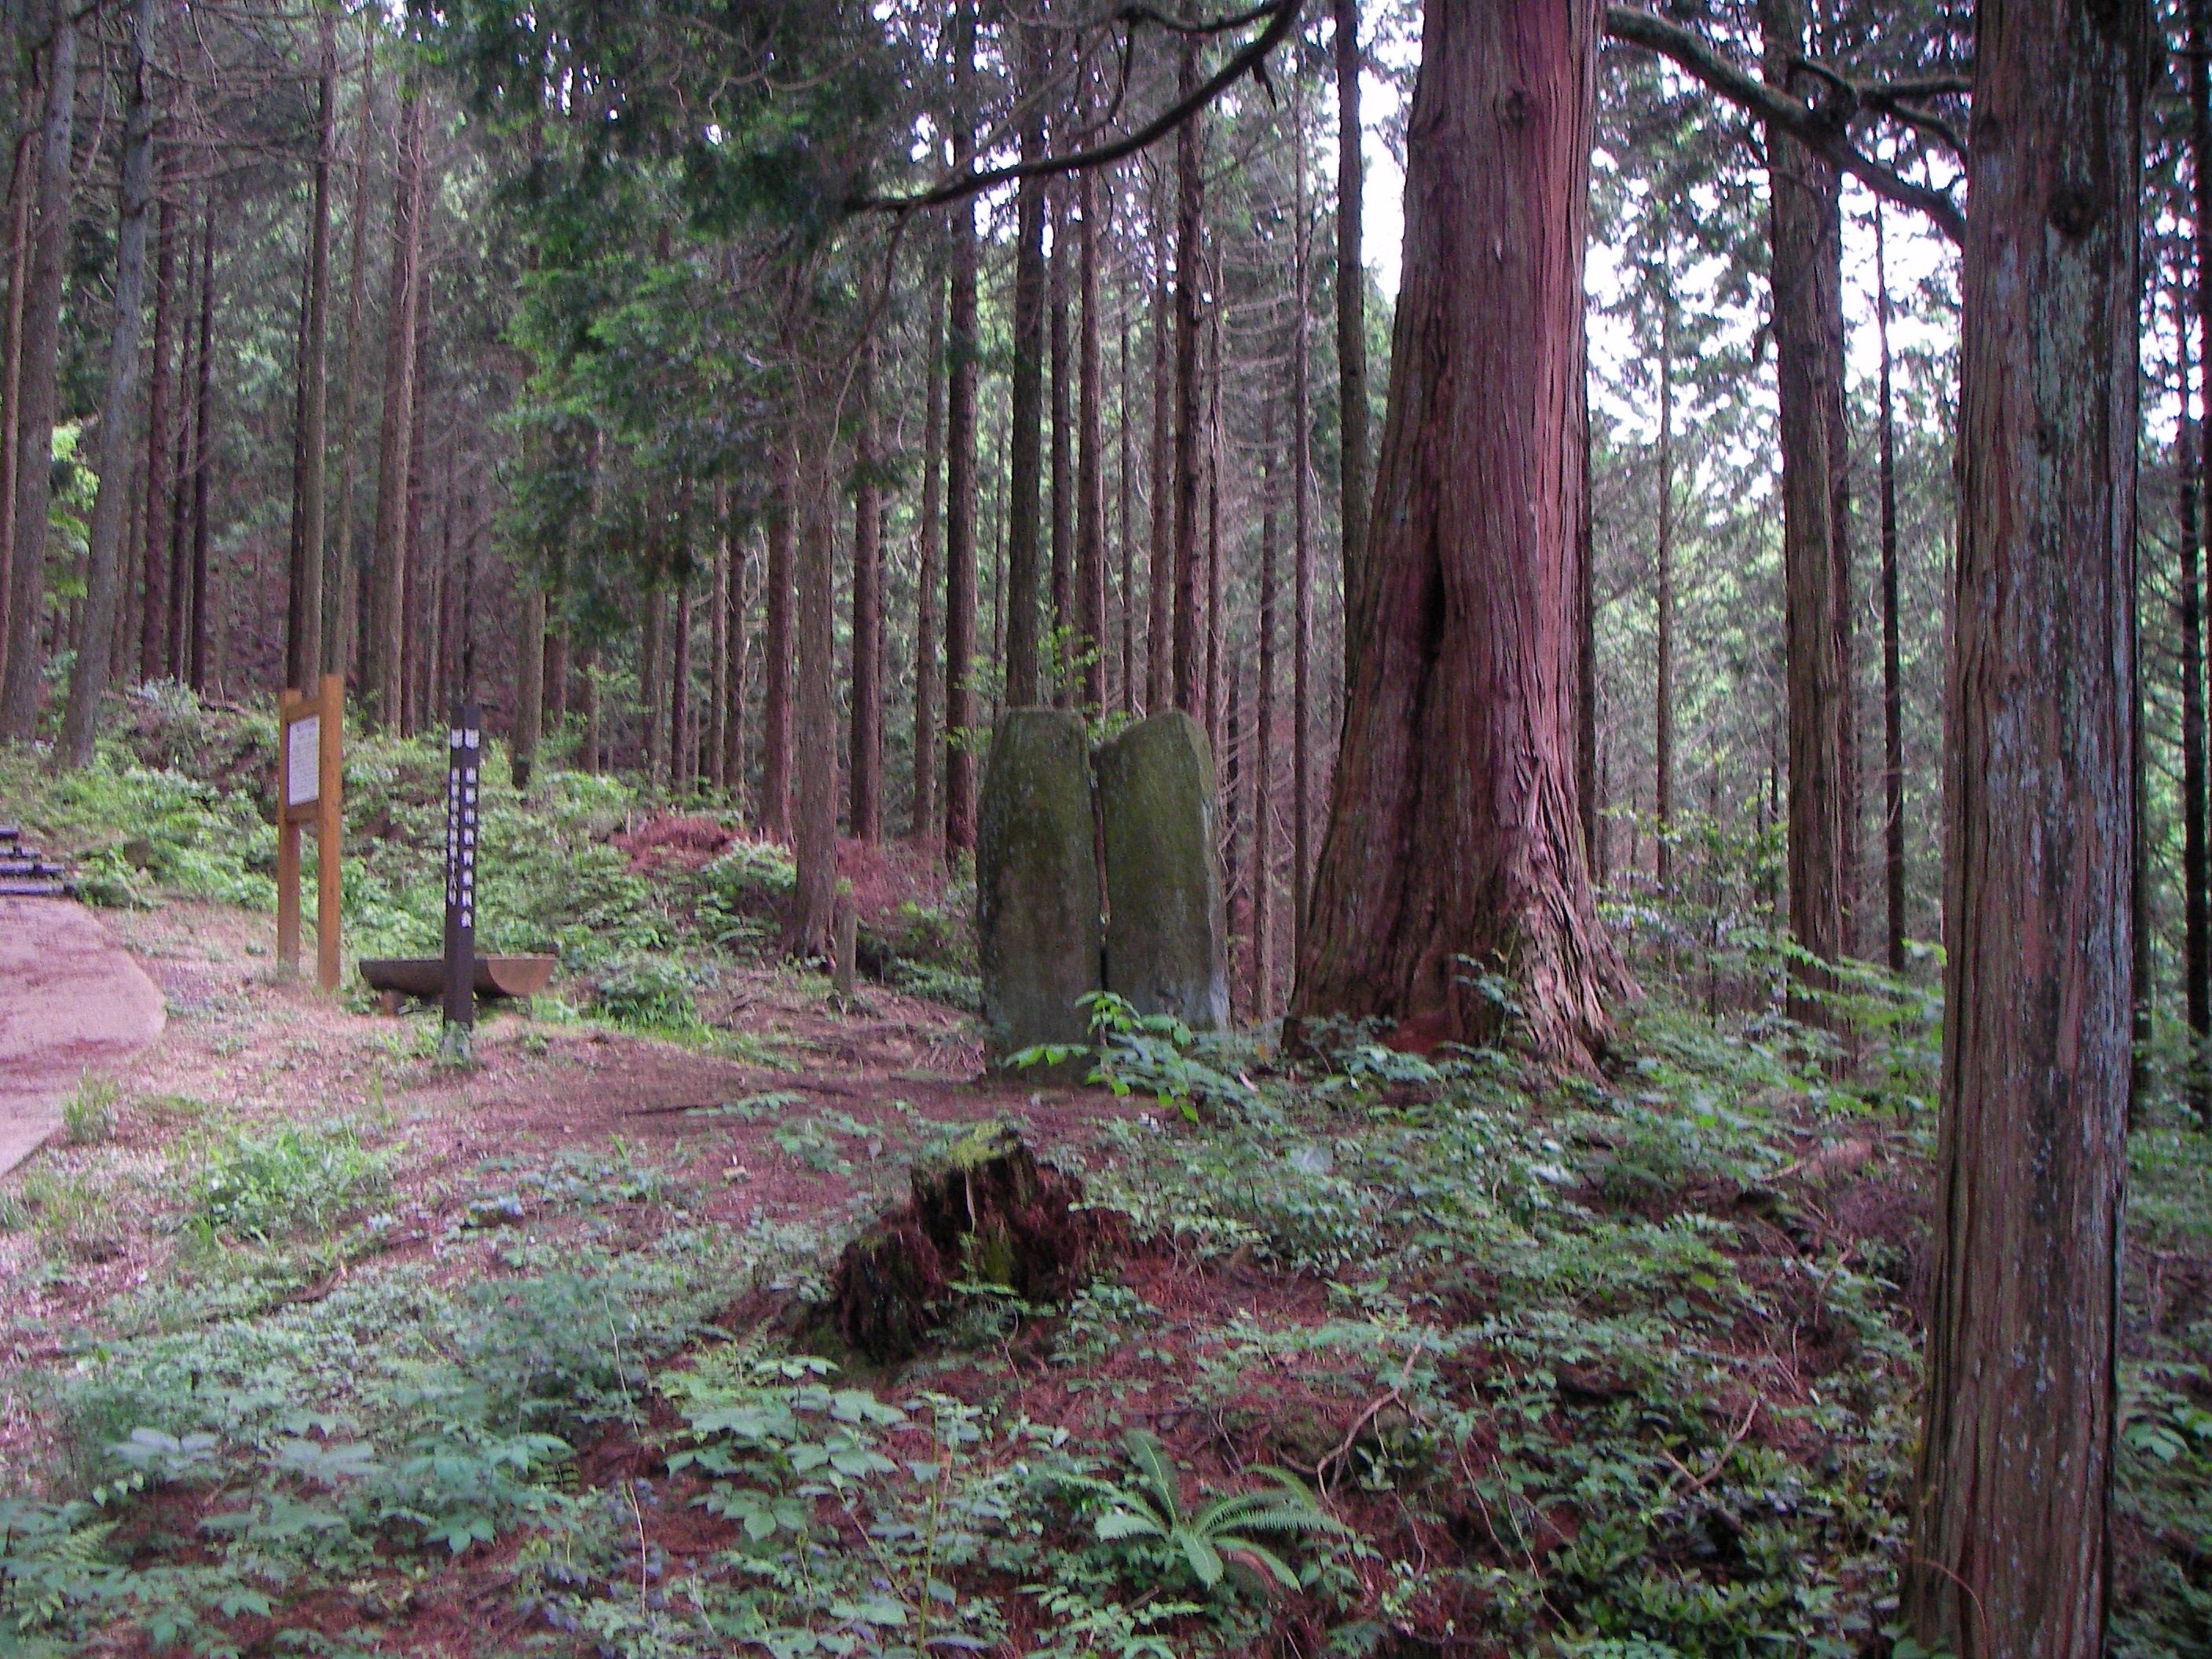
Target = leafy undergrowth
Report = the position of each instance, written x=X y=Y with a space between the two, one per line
x=1403 y=1360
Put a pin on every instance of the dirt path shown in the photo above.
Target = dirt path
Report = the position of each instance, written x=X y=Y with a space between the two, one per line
x=70 y=1002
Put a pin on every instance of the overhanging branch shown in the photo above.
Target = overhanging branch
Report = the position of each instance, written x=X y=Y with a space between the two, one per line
x=1801 y=121
x=1249 y=59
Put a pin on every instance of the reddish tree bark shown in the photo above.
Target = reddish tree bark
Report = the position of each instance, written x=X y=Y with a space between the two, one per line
x=1454 y=834
x=1355 y=473
x=960 y=350
x=153 y=639
x=1806 y=271
x=866 y=806
x=926 y=660
x=776 y=669
x=2011 y=1555
x=1067 y=624
x=1090 y=463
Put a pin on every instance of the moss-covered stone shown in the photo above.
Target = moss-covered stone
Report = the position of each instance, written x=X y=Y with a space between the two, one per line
x=1036 y=883
x=1166 y=935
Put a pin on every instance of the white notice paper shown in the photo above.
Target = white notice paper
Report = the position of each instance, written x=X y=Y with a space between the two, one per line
x=304 y=756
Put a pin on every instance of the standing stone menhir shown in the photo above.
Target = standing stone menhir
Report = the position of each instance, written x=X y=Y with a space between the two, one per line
x=1037 y=882
x=1166 y=935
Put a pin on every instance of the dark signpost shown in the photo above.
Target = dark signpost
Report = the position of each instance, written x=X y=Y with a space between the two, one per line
x=465 y=749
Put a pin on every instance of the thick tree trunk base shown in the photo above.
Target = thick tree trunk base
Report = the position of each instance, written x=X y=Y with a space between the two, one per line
x=985 y=1211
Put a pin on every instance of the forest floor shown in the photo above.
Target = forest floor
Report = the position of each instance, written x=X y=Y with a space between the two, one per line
x=316 y=1345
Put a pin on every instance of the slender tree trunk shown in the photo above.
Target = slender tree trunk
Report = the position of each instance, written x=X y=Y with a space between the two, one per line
x=1356 y=470
x=1089 y=619
x=683 y=750
x=1663 y=559
x=104 y=556
x=180 y=473
x=594 y=736
x=814 y=837
x=160 y=452
x=1069 y=632
x=529 y=686
x=303 y=619
x=1806 y=271
x=22 y=188
x=1213 y=540
x=204 y=452
x=1302 y=571
x=2011 y=1552
x=342 y=578
x=925 y=829
x=717 y=643
x=381 y=673
x=1263 y=744
x=1025 y=441
x=2196 y=910
x=733 y=728
x=2197 y=956
x=775 y=683
x=1126 y=529
x=1587 y=785
x=1160 y=572
x=1190 y=283
x=960 y=484
x=415 y=568
x=865 y=810
x=652 y=681
x=35 y=405
x=1893 y=677
x=1454 y=825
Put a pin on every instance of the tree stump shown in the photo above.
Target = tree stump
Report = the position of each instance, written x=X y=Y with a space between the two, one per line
x=983 y=1212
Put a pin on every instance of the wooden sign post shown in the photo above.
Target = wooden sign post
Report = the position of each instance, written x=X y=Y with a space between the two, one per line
x=310 y=790
x=464 y=764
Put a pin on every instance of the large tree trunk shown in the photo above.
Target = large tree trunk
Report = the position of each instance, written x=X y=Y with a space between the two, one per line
x=2011 y=1554
x=154 y=527
x=867 y=809
x=118 y=429
x=924 y=828
x=1189 y=298
x=303 y=616
x=1355 y=468
x=1454 y=835
x=1806 y=271
x=36 y=401
x=1301 y=579
x=775 y=678
x=961 y=347
x=382 y=671
x=1893 y=677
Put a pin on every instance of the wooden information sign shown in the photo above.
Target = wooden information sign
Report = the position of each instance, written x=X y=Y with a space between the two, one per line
x=310 y=790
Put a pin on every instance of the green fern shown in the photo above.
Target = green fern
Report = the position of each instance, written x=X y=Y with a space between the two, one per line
x=1208 y=1538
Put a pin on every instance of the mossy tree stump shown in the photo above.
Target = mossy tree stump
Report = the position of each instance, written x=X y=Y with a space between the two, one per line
x=984 y=1211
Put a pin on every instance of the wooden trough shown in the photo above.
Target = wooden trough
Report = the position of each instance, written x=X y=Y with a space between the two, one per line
x=425 y=976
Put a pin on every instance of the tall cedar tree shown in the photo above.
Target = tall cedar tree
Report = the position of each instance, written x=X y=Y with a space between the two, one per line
x=1806 y=271
x=383 y=664
x=2011 y=1555
x=303 y=616
x=962 y=347
x=1454 y=831
x=866 y=807
x=1892 y=666
x=33 y=413
x=2197 y=951
x=1355 y=469
x=117 y=436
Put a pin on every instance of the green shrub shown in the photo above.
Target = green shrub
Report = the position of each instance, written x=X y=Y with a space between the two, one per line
x=287 y=1183
x=653 y=992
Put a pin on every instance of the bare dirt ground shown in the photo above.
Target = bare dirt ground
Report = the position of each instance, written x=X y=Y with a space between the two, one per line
x=804 y=1118
x=71 y=1002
